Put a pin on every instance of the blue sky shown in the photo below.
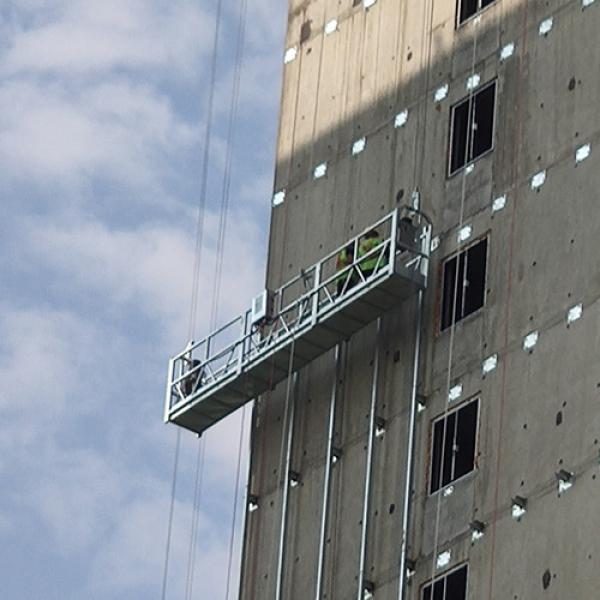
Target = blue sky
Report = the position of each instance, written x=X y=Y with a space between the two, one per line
x=102 y=108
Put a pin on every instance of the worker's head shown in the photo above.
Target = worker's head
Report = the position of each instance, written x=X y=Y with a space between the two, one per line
x=350 y=250
x=372 y=233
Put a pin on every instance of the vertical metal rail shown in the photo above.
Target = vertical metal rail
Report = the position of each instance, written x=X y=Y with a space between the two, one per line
x=409 y=470
x=245 y=525
x=369 y=468
x=286 y=488
x=327 y=477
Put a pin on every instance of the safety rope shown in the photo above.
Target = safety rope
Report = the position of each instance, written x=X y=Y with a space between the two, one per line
x=468 y=149
x=171 y=511
x=189 y=582
x=192 y=319
x=220 y=250
x=226 y=185
x=204 y=172
x=509 y=278
x=235 y=503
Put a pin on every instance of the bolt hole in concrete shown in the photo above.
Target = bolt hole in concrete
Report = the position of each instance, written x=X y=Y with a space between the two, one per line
x=546 y=579
x=572 y=83
x=559 y=418
x=392 y=508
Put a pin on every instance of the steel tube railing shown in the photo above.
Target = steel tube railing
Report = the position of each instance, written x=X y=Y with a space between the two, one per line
x=369 y=468
x=241 y=344
x=327 y=476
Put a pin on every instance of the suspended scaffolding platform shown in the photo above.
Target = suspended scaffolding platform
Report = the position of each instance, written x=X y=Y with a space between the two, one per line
x=288 y=328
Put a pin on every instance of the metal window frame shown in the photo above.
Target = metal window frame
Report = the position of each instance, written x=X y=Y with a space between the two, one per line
x=471 y=98
x=478 y=12
x=442 y=281
x=444 y=575
x=445 y=415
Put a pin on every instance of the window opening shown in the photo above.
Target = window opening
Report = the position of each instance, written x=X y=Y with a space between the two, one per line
x=475 y=114
x=470 y=268
x=452 y=586
x=457 y=456
x=468 y=8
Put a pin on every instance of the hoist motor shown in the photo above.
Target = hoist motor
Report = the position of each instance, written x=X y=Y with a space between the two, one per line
x=262 y=307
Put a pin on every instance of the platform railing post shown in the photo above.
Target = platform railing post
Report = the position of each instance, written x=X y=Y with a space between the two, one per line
x=242 y=343
x=169 y=393
x=393 y=240
x=315 y=302
x=425 y=250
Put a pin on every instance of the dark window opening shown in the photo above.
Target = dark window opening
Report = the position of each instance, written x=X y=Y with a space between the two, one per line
x=454 y=445
x=472 y=132
x=449 y=587
x=463 y=285
x=468 y=8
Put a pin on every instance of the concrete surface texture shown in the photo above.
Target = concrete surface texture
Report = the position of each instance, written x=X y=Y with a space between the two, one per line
x=539 y=409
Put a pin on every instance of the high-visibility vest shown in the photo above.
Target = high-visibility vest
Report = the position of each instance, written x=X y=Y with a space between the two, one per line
x=342 y=261
x=364 y=247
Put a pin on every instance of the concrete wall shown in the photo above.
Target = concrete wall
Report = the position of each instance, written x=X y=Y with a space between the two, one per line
x=542 y=259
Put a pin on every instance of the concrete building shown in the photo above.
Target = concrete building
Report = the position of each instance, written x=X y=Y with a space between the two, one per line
x=490 y=109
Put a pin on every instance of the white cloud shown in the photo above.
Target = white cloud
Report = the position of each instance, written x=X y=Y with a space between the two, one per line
x=100 y=111
x=118 y=130
x=42 y=356
x=150 y=268
x=83 y=36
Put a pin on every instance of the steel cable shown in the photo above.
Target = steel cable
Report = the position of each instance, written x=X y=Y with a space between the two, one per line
x=468 y=150
x=171 y=511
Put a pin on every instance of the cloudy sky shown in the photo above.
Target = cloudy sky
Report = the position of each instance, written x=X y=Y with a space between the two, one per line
x=102 y=116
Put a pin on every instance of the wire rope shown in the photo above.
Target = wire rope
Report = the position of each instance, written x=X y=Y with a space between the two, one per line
x=287 y=416
x=231 y=133
x=204 y=172
x=189 y=582
x=192 y=321
x=171 y=511
x=509 y=279
x=217 y=280
x=468 y=150
x=235 y=505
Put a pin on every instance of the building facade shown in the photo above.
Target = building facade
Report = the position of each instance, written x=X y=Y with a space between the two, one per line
x=490 y=110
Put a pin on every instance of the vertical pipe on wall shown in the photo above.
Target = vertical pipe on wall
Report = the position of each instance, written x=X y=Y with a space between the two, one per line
x=327 y=476
x=410 y=449
x=291 y=400
x=369 y=467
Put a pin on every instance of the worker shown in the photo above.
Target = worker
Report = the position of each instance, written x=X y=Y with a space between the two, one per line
x=368 y=242
x=344 y=259
x=190 y=383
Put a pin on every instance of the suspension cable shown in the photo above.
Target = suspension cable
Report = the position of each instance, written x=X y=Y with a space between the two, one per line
x=231 y=132
x=217 y=280
x=235 y=503
x=189 y=582
x=288 y=420
x=171 y=510
x=193 y=309
x=468 y=150
x=508 y=294
x=204 y=171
